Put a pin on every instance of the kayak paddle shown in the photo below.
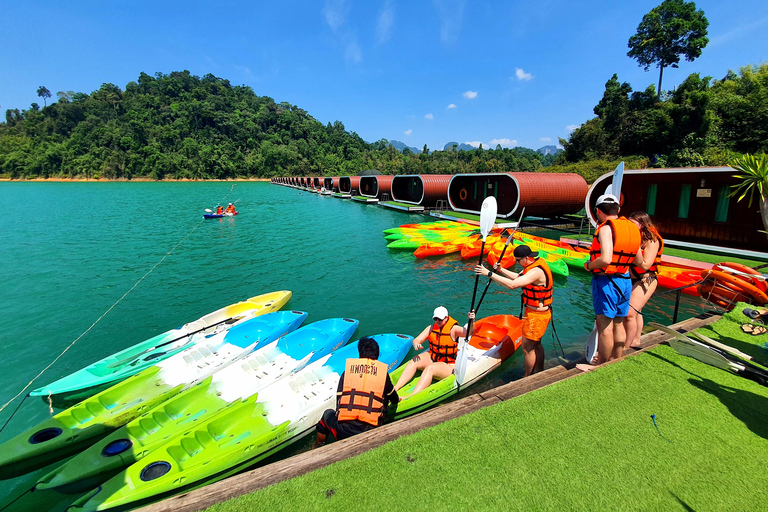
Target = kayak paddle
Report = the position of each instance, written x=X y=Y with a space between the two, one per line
x=487 y=219
x=509 y=239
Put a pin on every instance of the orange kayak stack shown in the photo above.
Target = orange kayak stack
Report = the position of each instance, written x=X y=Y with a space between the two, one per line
x=728 y=283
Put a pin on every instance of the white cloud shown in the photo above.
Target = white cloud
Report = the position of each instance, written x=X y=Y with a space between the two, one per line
x=470 y=95
x=504 y=142
x=474 y=143
x=352 y=52
x=408 y=132
x=452 y=105
x=429 y=116
x=451 y=15
x=522 y=75
x=546 y=139
x=571 y=127
x=335 y=12
x=385 y=22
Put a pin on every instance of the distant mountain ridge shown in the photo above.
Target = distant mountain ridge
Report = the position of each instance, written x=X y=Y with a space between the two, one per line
x=400 y=146
x=549 y=150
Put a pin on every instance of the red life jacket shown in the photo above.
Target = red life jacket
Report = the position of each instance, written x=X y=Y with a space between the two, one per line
x=626 y=242
x=536 y=295
x=362 y=395
x=638 y=272
x=443 y=348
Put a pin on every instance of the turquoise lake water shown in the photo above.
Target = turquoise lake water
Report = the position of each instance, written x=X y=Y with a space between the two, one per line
x=70 y=251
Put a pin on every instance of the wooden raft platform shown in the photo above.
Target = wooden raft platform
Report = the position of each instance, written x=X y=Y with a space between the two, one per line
x=264 y=476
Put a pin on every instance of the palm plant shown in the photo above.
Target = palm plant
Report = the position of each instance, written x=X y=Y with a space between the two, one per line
x=754 y=176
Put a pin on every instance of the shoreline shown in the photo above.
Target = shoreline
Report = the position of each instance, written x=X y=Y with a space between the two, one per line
x=125 y=180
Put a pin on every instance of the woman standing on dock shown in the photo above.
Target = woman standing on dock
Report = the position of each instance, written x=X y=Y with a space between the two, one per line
x=644 y=280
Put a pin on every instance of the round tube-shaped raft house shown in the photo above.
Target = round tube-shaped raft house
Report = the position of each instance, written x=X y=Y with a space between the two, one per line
x=349 y=183
x=375 y=186
x=541 y=194
x=420 y=189
x=317 y=182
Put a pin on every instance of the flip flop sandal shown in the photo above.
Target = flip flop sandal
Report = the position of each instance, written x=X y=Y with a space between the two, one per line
x=748 y=328
x=751 y=313
x=759 y=329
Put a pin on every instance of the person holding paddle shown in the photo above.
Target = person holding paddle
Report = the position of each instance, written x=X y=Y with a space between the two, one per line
x=438 y=362
x=615 y=247
x=536 y=282
x=644 y=280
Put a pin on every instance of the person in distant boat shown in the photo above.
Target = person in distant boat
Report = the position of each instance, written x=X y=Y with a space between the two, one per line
x=438 y=362
x=536 y=282
x=364 y=394
x=230 y=209
x=615 y=247
x=219 y=210
x=643 y=276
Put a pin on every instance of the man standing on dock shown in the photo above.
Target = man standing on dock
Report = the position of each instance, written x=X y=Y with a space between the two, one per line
x=536 y=282
x=615 y=247
x=365 y=391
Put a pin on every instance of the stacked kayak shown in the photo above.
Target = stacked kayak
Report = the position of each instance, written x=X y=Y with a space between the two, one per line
x=412 y=236
x=443 y=248
x=472 y=249
x=79 y=426
x=218 y=215
x=175 y=416
x=238 y=436
x=132 y=360
x=556 y=264
x=494 y=340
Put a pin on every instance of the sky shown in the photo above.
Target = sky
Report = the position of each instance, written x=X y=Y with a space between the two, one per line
x=515 y=73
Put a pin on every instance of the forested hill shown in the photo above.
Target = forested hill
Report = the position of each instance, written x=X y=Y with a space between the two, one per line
x=181 y=126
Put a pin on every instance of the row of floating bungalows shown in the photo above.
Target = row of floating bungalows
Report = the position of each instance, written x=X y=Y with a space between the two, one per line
x=542 y=194
x=690 y=205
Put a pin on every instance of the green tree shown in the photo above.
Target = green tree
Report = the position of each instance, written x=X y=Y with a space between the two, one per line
x=671 y=30
x=44 y=93
x=754 y=176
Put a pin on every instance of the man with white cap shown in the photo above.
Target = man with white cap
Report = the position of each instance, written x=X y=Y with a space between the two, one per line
x=438 y=362
x=615 y=247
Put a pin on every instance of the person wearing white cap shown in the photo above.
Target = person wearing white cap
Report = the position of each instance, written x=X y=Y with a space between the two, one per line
x=615 y=247
x=438 y=362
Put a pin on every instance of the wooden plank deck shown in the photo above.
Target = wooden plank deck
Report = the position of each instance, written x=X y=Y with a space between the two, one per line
x=302 y=463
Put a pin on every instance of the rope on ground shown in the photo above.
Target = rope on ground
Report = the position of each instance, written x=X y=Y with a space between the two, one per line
x=99 y=319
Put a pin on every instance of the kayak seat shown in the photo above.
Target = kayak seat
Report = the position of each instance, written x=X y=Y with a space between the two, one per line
x=294 y=386
x=311 y=378
x=205 y=352
x=188 y=359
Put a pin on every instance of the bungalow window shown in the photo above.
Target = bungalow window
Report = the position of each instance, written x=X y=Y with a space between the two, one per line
x=723 y=199
x=650 y=204
x=685 y=202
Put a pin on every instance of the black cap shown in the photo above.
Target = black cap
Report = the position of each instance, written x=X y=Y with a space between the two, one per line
x=523 y=251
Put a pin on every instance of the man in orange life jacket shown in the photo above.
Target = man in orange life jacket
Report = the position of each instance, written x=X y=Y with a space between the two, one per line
x=219 y=210
x=615 y=247
x=364 y=393
x=438 y=362
x=536 y=282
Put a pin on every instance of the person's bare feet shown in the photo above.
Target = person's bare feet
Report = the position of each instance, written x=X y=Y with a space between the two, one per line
x=585 y=367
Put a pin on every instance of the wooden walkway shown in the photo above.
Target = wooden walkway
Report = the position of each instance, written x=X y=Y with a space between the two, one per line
x=302 y=463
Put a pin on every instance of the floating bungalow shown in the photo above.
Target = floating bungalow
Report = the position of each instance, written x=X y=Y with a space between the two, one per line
x=690 y=206
x=421 y=189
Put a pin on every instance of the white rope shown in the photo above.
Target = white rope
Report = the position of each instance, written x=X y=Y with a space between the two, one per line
x=99 y=319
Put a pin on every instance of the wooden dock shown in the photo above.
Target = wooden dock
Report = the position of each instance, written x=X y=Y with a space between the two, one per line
x=302 y=463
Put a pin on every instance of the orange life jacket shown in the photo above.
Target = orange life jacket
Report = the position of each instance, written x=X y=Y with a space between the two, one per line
x=626 y=242
x=362 y=396
x=637 y=271
x=219 y=210
x=536 y=295
x=442 y=348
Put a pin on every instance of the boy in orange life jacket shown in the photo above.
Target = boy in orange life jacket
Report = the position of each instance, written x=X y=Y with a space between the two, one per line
x=364 y=393
x=536 y=282
x=219 y=210
x=438 y=362
x=615 y=247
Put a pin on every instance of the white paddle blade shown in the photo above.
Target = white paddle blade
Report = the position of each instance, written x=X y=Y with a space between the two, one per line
x=691 y=348
x=488 y=215
x=208 y=210
x=618 y=177
x=591 y=349
x=460 y=369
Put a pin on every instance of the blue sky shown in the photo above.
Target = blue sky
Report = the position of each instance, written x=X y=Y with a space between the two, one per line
x=504 y=72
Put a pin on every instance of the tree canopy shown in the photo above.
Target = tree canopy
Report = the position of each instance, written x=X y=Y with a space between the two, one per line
x=671 y=30
x=181 y=126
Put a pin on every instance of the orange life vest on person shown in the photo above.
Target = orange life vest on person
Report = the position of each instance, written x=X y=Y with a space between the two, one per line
x=536 y=295
x=626 y=242
x=362 y=396
x=637 y=271
x=219 y=210
x=443 y=348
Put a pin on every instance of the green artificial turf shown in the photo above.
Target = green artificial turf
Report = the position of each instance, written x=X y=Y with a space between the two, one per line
x=711 y=258
x=587 y=443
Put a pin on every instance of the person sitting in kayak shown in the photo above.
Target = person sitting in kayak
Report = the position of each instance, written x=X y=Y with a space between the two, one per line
x=364 y=393
x=219 y=210
x=438 y=362
x=230 y=209
x=536 y=282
